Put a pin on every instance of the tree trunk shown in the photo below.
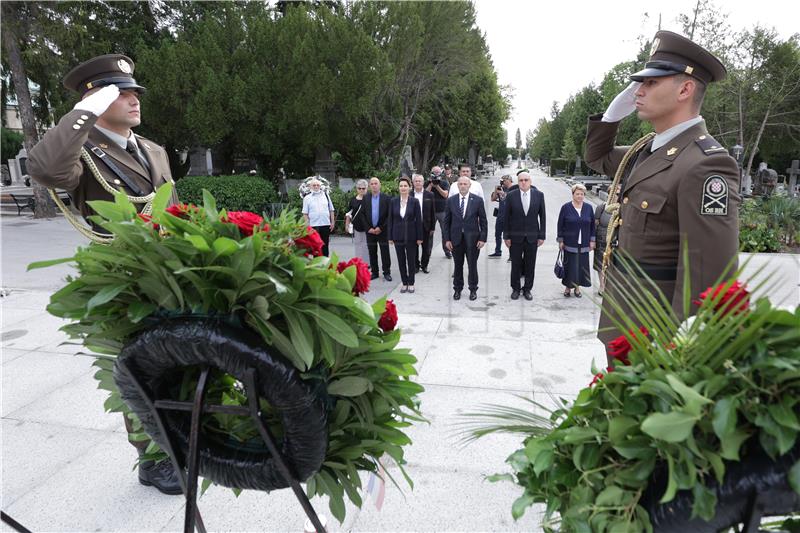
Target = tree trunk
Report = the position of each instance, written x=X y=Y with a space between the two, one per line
x=758 y=139
x=44 y=206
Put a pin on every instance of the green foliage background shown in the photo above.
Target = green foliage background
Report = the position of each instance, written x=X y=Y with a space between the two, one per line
x=233 y=193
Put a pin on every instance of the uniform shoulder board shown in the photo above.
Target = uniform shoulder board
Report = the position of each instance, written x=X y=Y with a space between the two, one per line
x=709 y=145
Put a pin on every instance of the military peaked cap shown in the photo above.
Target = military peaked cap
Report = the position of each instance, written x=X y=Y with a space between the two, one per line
x=109 y=69
x=675 y=54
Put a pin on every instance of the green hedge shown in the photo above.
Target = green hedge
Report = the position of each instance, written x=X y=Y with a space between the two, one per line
x=11 y=144
x=234 y=193
x=767 y=225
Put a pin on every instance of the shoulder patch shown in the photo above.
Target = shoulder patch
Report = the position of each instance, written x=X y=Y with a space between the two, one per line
x=714 y=200
x=709 y=145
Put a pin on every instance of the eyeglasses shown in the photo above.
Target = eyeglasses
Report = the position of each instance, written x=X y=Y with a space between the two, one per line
x=361 y=188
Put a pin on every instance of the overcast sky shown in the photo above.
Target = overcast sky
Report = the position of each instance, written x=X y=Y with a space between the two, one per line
x=550 y=49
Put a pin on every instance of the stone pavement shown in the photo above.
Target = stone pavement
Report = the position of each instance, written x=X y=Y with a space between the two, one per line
x=66 y=465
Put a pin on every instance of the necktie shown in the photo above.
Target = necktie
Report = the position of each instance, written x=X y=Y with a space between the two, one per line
x=462 y=207
x=642 y=156
x=525 y=203
x=131 y=149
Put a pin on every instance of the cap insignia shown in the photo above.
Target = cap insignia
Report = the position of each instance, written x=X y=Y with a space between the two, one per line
x=124 y=66
x=689 y=70
x=656 y=43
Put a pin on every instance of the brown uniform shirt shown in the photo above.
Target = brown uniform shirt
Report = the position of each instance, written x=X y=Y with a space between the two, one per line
x=55 y=162
x=685 y=192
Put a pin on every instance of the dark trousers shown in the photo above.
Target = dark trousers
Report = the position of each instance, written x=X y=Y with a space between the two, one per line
x=424 y=250
x=470 y=251
x=440 y=219
x=405 y=260
x=498 y=235
x=373 y=241
x=523 y=262
x=325 y=235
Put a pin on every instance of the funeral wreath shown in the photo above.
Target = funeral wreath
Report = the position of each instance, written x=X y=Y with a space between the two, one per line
x=193 y=284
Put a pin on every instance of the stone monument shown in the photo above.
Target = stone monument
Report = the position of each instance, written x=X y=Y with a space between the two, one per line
x=792 y=172
x=406 y=162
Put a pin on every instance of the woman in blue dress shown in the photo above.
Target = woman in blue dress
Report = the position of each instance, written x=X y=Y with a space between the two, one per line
x=576 y=237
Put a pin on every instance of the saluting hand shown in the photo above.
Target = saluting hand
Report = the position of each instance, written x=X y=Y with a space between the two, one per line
x=97 y=103
x=623 y=104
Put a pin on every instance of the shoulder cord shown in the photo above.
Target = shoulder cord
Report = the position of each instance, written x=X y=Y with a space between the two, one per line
x=612 y=204
x=81 y=227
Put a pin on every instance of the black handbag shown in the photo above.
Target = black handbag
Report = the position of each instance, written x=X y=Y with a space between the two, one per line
x=558 y=269
x=496 y=211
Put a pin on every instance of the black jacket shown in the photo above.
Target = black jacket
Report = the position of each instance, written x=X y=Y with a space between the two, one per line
x=472 y=227
x=383 y=211
x=406 y=229
x=428 y=210
x=519 y=226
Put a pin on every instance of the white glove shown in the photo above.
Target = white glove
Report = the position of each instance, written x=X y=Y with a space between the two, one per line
x=98 y=102
x=623 y=104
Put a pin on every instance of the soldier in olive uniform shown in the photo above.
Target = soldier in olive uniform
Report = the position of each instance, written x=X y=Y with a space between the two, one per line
x=101 y=123
x=681 y=188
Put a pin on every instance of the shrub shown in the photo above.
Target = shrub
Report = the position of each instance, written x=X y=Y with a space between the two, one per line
x=11 y=143
x=234 y=193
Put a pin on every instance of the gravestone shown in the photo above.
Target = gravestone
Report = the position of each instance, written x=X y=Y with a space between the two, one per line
x=324 y=165
x=578 y=170
x=406 y=162
x=765 y=181
x=793 y=171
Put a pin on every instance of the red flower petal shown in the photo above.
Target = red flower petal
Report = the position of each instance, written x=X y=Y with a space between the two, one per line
x=388 y=319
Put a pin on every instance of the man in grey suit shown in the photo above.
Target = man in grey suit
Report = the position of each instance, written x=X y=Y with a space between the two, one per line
x=523 y=232
x=465 y=232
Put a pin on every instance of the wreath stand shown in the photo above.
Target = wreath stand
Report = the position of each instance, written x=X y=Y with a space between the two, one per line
x=188 y=481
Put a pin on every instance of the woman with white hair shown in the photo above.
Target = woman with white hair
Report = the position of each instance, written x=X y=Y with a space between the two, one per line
x=318 y=212
x=357 y=217
x=576 y=237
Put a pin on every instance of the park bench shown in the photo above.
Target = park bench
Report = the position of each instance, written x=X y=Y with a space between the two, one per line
x=25 y=200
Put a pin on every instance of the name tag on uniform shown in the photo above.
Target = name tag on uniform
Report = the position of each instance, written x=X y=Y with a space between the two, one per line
x=715 y=196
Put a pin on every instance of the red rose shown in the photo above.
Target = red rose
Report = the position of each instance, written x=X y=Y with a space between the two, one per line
x=147 y=219
x=312 y=242
x=247 y=221
x=620 y=347
x=363 y=274
x=388 y=319
x=182 y=210
x=735 y=297
x=599 y=375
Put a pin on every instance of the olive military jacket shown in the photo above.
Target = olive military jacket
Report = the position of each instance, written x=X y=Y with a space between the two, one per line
x=685 y=192
x=55 y=162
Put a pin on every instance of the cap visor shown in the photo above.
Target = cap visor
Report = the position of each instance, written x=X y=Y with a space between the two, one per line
x=652 y=73
x=136 y=87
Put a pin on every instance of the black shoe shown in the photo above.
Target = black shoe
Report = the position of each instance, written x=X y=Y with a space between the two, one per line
x=515 y=294
x=160 y=475
x=473 y=295
x=456 y=295
x=496 y=254
x=425 y=271
x=528 y=296
x=387 y=277
x=416 y=271
x=508 y=260
x=448 y=255
x=375 y=276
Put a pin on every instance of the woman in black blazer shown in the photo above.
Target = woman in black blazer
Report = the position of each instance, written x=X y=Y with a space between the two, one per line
x=576 y=236
x=405 y=232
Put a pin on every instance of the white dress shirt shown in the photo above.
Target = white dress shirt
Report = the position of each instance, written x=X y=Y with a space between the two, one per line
x=474 y=188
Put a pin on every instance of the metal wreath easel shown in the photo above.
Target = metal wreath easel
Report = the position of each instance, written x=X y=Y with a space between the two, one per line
x=188 y=481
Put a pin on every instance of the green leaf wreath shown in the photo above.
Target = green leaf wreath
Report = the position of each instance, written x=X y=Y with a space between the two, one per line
x=196 y=260
x=690 y=397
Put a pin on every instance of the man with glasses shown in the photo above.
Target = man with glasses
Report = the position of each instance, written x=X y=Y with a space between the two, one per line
x=524 y=219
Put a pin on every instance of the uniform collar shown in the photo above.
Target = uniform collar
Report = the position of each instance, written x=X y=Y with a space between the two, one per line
x=119 y=140
x=667 y=135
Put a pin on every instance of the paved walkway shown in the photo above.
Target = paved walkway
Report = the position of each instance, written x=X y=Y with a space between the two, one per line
x=66 y=465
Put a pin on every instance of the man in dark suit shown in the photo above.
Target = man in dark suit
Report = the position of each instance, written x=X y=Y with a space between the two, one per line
x=426 y=204
x=524 y=230
x=376 y=210
x=465 y=230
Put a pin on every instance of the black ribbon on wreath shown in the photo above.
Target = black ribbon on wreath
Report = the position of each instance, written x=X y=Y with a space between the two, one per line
x=754 y=487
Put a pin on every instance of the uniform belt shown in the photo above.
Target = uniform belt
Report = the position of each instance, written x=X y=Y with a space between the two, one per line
x=654 y=272
x=137 y=191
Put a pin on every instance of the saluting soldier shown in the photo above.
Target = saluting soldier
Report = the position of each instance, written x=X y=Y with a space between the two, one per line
x=92 y=152
x=100 y=126
x=680 y=187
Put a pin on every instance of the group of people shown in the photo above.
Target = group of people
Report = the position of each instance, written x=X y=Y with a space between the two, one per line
x=673 y=206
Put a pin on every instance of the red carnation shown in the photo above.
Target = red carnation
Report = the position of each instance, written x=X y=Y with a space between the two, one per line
x=599 y=375
x=388 y=319
x=620 y=347
x=363 y=275
x=312 y=242
x=727 y=298
x=181 y=210
x=247 y=221
x=147 y=219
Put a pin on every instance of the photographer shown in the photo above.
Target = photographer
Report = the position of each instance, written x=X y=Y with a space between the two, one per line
x=499 y=195
x=439 y=186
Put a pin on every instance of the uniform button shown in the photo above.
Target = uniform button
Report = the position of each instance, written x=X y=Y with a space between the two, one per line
x=625 y=200
x=644 y=204
x=702 y=137
x=620 y=222
x=116 y=182
x=79 y=121
x=85 y=117
x=76 y=127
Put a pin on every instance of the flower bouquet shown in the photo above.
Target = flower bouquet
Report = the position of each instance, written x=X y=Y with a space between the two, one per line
x=194 y=285
x=693 y=424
